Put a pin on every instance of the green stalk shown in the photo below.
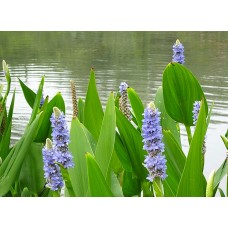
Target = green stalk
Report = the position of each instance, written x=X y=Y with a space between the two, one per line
x=147 y=186
x=55 y=194
x=188 y=129
x=67 y=181
x=8 y=88
x=158 y=187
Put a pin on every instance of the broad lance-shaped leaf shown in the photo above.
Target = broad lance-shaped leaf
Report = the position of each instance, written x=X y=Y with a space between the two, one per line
x=10 y=168
x=136 y=105
x=131 y=184
x=181 y=89
x=45 y=126
x=166 y=121
x=192 y=179
x=122 y=154
x=97 y=184
x=175 y=163
x=32 y=174
x=93 y=112
x=105 y=144
x=132 y=141
x=29 y=95
x=79 y=145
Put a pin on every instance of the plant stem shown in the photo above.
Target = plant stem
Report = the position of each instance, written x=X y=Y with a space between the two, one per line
x=188 y=129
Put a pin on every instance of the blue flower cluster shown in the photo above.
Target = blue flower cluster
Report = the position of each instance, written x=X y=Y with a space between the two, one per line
x=196 y=109
x=57 y=152
x=155 y=162
x=61 y=138
x=51 y=169
x=178 y=52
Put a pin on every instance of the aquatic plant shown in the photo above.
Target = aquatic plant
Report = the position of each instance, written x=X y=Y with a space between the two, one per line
x=112 y=155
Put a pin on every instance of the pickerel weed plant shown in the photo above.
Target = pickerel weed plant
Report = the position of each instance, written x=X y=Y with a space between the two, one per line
x=116 y=150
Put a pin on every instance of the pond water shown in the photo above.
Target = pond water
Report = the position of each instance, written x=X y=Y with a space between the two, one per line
x=137 y=58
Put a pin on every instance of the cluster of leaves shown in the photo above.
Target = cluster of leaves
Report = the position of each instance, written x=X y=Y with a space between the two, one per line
x=107 y=148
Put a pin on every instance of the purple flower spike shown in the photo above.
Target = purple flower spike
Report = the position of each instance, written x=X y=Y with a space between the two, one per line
x=154 y=162
x=61 y=138
x=178 y=52
x=52 y=172
x=196 y=109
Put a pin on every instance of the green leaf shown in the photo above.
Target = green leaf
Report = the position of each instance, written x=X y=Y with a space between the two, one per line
x=5 y=141
x=93 y=112
x=122 y=154
x=131 y=185
x=219 y=175
x=222 y=194
x=67 y=181
x=209 y=188
x=97 y=184
x=105 y=144
x=225 y=141
x=192 y=179
x=45 y=126
x=78 y=146
x=32 y=174
x=132 y=140
x=181 y=89
x=29 y=95
x=11 y=166
x=81 y=105
x=37 y=101
x=26 y=193
x=175 y=162
x=167 y=122
x=115 y=186
x=136 y=105
x=158 y=187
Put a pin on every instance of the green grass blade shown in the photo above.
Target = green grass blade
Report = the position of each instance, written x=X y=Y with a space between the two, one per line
x=97 y=184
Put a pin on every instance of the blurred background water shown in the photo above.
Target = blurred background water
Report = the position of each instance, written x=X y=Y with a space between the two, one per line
x=138 y=58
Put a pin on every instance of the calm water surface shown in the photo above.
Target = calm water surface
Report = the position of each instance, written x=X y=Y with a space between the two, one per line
x=137 y=58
